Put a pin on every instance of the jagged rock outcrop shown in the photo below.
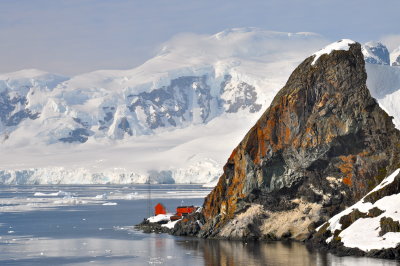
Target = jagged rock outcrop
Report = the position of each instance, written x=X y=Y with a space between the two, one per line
x=322 y=145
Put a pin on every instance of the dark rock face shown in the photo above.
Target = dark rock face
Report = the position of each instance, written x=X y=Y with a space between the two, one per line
x=322 y=145
x=109 y=113
x=189 y=226
x=147 y=227
x=388 y=225
x=174 y=104
x=13 y=109
x=77 y=135
x=124 y=125
x=162 y=106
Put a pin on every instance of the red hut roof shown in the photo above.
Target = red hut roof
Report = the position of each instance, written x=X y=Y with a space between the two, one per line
x=184 y=210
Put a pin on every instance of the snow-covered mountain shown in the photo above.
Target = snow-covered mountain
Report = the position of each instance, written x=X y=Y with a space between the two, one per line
x=174 y=118
x=376 y=53
x=188 y=83
x=383 y=79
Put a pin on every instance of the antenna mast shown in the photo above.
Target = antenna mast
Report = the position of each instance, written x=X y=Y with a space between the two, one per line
x=149 y=213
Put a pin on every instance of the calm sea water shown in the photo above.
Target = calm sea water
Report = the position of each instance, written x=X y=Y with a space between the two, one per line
x=93 y=225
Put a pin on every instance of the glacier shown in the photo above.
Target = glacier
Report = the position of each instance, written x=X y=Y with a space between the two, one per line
x=173 y=119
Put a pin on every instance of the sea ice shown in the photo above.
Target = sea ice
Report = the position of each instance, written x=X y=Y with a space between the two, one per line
x=110 y=204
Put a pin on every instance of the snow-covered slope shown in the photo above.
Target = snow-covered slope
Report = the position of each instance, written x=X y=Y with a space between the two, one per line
x=175 y=118
x=383 y=79
x=384 y=84
x=193 y=80
x=373 y=222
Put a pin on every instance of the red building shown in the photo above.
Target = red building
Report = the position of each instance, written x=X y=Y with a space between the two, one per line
x=159 y=209
x=185 y=210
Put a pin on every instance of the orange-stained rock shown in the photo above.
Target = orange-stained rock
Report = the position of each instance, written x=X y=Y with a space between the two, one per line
x=323 y=125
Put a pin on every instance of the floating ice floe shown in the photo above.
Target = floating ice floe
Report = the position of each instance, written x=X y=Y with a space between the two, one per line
x=101 y=197
x=110 y=204
x=70 y=201
x=131 y=196
x=54 y=194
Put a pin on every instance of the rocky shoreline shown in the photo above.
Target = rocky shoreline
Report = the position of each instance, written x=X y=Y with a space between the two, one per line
x=340 y=250
x=148 y=227
x=318 y=244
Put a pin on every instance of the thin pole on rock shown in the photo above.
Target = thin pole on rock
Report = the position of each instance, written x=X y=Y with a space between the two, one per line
x=149 y=213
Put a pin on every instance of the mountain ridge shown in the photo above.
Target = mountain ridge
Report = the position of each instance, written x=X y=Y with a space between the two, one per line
x=184 y=89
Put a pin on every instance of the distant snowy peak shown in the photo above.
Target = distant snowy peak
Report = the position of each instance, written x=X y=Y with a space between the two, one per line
x=395 y=57
x=376 y=53
x=196 y=55
x=195 y=79
x=206 y=90
x=343 y=44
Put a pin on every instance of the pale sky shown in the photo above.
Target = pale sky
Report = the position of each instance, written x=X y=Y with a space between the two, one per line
x=75 y=36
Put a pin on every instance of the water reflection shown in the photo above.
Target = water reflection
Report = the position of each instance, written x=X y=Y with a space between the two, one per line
x=103 y=235
x=231 y=253
x=234 y=253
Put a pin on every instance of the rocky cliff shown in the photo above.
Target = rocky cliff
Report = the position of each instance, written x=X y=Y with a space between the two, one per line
x=322 y=145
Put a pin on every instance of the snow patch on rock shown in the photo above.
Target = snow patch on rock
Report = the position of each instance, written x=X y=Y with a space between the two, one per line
x=343 y=44
x=159 y=218
x=170 y=224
